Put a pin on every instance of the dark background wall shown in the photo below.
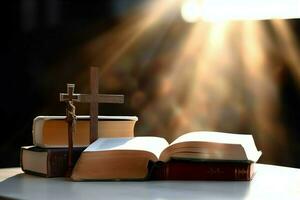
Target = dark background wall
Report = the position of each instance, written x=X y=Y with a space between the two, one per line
x=40 y=54
x=37 y=35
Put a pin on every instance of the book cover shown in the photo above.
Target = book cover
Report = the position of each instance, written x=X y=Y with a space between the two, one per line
x=205 y=170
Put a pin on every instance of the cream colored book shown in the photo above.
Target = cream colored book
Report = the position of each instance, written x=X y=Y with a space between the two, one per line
x=128 y=158
x=52 y=131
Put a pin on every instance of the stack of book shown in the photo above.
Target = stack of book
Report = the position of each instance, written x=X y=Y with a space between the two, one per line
x=118 y=155
x=48 y=154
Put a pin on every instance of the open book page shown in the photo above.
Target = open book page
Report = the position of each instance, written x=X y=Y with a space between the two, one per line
x=118 y=158
x=154 y=145
x=246 y=141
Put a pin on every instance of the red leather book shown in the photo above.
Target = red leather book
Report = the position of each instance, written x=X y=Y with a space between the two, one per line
x=206 y=170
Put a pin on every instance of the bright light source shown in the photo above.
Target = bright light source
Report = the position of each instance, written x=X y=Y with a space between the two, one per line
x=217 y=10
x=191 y=10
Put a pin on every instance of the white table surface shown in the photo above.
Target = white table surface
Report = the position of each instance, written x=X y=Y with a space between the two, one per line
x=270 y=182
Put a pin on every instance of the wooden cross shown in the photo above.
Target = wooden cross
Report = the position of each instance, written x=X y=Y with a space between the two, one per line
x=94 y=98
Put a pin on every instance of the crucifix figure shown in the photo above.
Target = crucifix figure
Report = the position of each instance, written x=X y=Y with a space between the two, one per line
x=71 y=120
x=94 y=98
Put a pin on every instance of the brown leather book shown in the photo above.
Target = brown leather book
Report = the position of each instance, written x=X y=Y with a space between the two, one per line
x=47 y=162
x=190 y=170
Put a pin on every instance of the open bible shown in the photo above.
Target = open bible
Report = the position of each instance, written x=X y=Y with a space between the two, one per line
x=138 y=157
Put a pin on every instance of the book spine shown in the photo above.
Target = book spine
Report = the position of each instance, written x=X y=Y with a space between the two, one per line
x=56 y=164
x=203 y=171
x=57 y=161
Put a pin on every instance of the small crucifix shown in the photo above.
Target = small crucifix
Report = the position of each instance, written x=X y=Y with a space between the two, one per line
x=94 y=98
x=71 y=120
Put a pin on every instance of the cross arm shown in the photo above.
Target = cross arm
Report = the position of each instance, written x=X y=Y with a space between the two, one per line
x=101 y=98
x=66 y=97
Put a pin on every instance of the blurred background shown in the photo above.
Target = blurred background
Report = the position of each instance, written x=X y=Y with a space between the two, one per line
x=183 y=65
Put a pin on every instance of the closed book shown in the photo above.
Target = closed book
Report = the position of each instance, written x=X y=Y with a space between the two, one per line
x=47 y=162
x=52 y=131
x=202 y=170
